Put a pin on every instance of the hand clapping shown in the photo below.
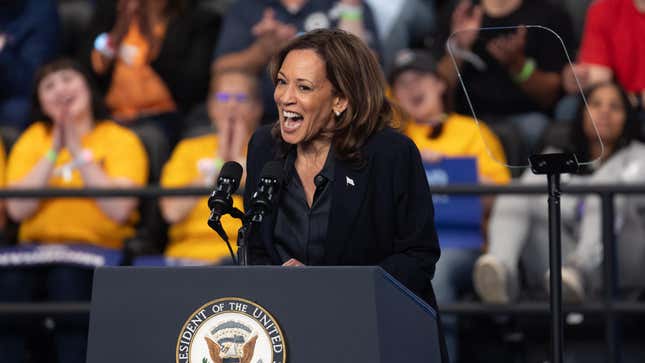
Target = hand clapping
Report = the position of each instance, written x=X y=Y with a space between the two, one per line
x=64 y=133
x=271 y=33
x=466 y=21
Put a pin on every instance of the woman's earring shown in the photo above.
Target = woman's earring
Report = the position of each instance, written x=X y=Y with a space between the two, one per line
x=337 y=113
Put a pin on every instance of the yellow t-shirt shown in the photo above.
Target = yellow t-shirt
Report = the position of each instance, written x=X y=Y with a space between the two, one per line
x=69 y=220
x=461 y=137
x=192 y=237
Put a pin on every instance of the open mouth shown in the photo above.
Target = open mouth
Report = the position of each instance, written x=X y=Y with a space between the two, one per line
x=292 y=120
x=65 y=101
x=417 y=100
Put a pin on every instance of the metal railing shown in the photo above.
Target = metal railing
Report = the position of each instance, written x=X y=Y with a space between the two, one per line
x=610 y=306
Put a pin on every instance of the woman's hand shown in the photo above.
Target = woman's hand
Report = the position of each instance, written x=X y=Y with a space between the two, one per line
x=71 y=139
x=293 y=263
x=224 y=132
x=57 y=136
x=271 y=34
x=59 y=123
x=569 y=75
x=466 y=16
x=239 y=139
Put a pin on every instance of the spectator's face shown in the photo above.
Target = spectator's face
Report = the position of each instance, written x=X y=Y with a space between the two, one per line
x=233 y=101
x=65 y=96
x=420 y=94
x=304 y=96
x=608 y=112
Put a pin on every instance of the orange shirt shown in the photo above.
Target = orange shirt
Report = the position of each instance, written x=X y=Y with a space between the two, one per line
x=136 y=89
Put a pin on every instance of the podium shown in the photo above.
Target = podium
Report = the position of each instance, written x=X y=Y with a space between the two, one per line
x=324 y=314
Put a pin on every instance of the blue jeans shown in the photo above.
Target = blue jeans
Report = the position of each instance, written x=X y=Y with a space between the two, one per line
x=54 y=283
x=452 y=277
x=567 y=108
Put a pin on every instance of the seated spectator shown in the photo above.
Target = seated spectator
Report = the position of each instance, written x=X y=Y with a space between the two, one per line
x=438 y=133
x=402 y=24
x=612 y=47
x=518 y=80
x=255 y=30
x=72 y=145
x=518 y=228
x=235 y=108
x=29 y=37
x=152 y=58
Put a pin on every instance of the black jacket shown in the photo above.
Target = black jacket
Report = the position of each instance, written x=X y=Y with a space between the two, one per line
x=385 y=218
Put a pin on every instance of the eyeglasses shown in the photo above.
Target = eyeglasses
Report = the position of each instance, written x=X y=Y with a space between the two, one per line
x=226 y=97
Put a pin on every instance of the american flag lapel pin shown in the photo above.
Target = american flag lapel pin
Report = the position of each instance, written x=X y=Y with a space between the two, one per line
x=349 y=181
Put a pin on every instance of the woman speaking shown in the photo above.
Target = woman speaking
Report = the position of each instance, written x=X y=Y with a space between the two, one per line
x=354 y=190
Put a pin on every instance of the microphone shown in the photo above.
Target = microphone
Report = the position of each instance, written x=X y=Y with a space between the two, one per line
x=228 y=181
x=264 y=198
x=220 y=201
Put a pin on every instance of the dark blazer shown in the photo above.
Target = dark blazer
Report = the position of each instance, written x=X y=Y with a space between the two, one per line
x=385 y=218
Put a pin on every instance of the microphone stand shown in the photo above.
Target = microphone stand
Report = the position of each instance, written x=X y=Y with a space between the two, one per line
x=216 y=225
x=244 y=235
x=552 y=165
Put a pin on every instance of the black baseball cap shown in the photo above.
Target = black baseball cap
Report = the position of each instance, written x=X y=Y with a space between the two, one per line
x=412 y=59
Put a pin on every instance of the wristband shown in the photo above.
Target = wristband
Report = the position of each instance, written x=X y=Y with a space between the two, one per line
x=351 y=15
x=346 y=12
x=51 y=155
x=218 y=162
x=527 y=71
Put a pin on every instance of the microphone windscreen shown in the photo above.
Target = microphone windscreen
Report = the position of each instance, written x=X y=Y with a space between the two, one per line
x=233 y=171
x=272 y=170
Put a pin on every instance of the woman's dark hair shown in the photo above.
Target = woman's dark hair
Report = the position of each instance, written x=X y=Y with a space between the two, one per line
x=354 y=73
x=579 y=143
x=99 y=111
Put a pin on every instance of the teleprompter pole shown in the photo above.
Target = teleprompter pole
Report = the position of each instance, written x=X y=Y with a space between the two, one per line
x=552 y=165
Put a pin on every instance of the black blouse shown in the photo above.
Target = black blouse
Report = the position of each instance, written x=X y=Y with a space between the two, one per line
x=300 y=231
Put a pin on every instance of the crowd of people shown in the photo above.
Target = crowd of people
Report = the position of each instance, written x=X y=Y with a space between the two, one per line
x=164 y=92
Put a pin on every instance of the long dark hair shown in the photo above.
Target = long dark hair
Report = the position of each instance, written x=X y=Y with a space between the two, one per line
x=99 y=111
x=355 y=74
x=578 y=141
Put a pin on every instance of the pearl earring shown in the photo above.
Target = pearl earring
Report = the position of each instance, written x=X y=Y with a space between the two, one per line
x=337 y=113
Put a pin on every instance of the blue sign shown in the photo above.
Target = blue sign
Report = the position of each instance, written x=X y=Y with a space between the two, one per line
x=83 y=255
x=457 y=218
x=163 y=261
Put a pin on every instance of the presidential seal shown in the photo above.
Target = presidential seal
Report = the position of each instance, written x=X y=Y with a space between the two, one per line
x=231 y=330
